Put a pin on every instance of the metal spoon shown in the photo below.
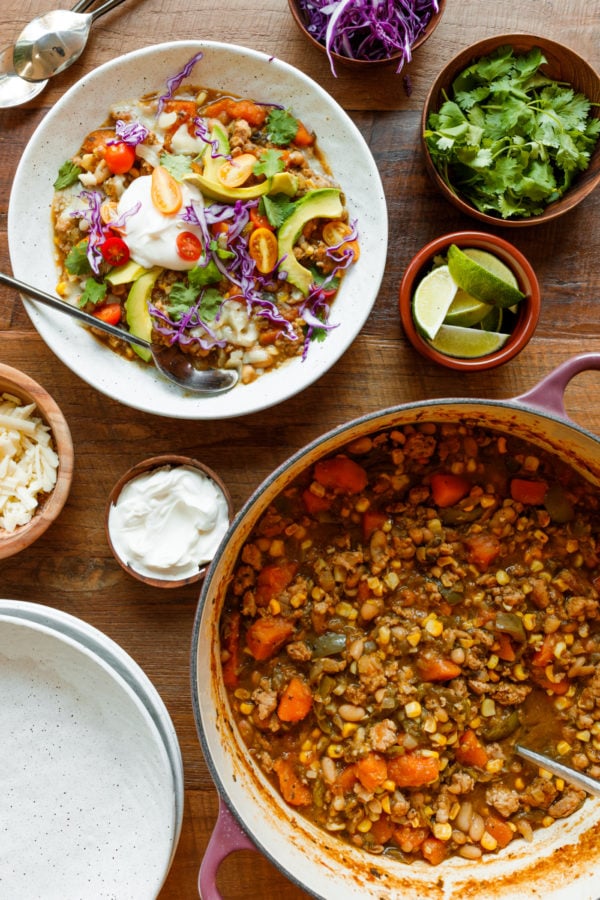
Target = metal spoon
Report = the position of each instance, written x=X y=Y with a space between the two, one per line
x=52 y=42
x=173 y=364
x=579 y=779
x=14 y=90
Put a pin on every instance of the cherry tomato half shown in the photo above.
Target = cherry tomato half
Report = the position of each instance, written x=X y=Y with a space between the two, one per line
x=188 y=246
x=165 y=191
x=259 y=220
x=119 y=157
x=110 y=313
x=235 y=172
x=334 y=233
x=115 y=251
x=262 y=247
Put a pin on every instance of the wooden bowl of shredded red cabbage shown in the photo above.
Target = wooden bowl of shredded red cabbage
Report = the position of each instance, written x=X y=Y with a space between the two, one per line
x=359 y=33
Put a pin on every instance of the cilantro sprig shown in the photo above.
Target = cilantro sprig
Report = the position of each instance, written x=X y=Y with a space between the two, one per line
x=509 y=139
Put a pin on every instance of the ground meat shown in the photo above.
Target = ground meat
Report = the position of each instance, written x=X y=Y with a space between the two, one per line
x=266 y=703
x=299 y=650
x=571 y=799
x=540 y=793
x=502 y=798
x=383 y=735
x=509 y=694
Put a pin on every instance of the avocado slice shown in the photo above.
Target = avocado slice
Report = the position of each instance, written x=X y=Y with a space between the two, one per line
x=281 y=183
x=138 y=318
x=218 y=136
x=322 y=203
x=126 y=273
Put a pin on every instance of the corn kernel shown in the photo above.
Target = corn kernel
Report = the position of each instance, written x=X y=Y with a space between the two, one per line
x=584 y=736
x=317 y=593
x=569 y=639
x=562 y=703
x=560 y=784
x=364 y=826
x=529 y=621
x=488 y=842
x=434 y=627
x=493 y=661
x=362 y=505
x=430 y=753
x=442 y=831
x=384 y=636
x=563 y=747
x=277 y=548
x=487 y=708
x=385 y=804
x=536 y=565
x=475 y=723
x=494 y=766
x=520 y=673
x=344 y=609
x=596 y=728
x=392 y=581
x=61 y=288
x=430 y=725
x=413 y=709
x=545 y=774
x=298 y=600
x=547 y=821
x=519 y=784
x=440 y=740
x=559 y=649
x=335 y=751
x=246 y=708
x=413 y=638
x=349 y=728
x=305 y=756
x=388 y=785
x=274 y=607
x=502 y=577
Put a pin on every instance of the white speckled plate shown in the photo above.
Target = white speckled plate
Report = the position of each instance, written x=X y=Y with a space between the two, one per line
x=244 y=72
x=87 y=804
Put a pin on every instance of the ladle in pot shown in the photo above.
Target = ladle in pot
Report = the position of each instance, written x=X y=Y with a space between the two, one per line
x=51 y=43
x=170 y=361
x=573 y=776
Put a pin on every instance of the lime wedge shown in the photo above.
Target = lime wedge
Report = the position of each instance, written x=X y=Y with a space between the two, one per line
x=431 y=301
x=467 y=343
x=492 y=321
x=492 y=264
x=478 y=281
x=466 y=310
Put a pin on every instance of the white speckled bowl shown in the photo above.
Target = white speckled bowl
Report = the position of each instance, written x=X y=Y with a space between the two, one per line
x=243 y=72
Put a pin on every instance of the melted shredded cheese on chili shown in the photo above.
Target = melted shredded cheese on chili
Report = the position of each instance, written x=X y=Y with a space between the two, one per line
x=28 y=462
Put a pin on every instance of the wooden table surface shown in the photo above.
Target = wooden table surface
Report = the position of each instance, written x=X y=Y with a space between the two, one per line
x=71 y=567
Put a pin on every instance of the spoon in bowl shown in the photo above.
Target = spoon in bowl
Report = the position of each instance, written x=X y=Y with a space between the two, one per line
x=170 y=361
x=54 y=41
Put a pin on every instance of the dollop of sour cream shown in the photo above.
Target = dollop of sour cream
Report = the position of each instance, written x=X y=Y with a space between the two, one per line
x=168 y=523
x=150 y=235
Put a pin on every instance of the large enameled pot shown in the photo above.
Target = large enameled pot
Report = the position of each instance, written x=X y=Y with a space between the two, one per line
x=562 y=862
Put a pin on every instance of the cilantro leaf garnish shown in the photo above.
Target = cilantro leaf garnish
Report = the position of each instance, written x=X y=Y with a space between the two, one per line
x=177 y=164
x=200 y=276
x=67 y=175
x=93 y=292
x=181 y=298
x=276 y=207
x=77 y=262
x=282 y=127
x=210 y=304
x=509 y=139
x=270 y=163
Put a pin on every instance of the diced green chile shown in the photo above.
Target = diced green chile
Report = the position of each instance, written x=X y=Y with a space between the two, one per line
x=328 y=644
x=511 y=624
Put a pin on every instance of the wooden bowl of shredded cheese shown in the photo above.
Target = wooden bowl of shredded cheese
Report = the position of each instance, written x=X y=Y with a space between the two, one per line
x=36 y=461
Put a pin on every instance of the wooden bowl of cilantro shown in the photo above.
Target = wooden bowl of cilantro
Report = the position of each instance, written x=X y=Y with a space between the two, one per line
x=511 y=130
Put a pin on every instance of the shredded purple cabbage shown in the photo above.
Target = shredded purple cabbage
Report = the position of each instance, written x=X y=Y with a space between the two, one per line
x=93 y=217
x=368 y=29
x=132 y=133
x=202 y=132
x=175 y=81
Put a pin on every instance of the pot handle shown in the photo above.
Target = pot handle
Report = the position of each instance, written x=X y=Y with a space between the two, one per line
x=226 y=838
x=548 y=394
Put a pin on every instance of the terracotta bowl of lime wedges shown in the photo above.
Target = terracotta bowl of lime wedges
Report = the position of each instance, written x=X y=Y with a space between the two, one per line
x=469 y=301
x=510 y=130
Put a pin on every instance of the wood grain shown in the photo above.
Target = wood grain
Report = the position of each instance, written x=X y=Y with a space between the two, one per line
x=70 y=567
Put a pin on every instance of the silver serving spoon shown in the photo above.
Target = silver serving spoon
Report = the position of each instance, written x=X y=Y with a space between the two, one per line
x=579 y=779
x=14 y=90
x=52 y=42
x=170 y=361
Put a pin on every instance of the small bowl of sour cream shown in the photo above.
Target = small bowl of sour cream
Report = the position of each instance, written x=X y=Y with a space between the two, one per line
x=165 y=519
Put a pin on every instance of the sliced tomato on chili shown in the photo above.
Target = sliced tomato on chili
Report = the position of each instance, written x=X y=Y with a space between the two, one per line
x=119 y=157
x=188 y=246
x=110 y=313
x=260 y=220
x=114 y=251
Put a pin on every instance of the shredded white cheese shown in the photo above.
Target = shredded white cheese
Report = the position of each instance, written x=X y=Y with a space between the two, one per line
x=28 y=463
